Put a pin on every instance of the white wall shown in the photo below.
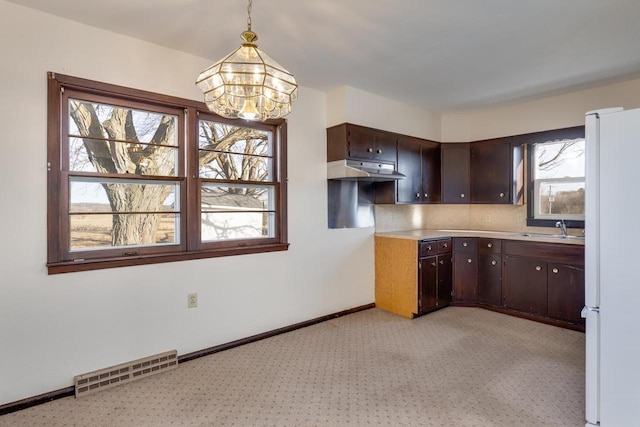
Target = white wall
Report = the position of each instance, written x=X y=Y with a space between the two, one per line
x=54 y=327
x=346 y=104
x=548 y=113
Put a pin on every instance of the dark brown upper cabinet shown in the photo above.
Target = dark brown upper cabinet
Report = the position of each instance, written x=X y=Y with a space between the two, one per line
x=419 y=160
x=491 y=172
x=456 y=159
x=496 y=172
x=349 y=141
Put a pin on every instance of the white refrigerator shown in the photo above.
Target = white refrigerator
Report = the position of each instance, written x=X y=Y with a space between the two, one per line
x=612 y=268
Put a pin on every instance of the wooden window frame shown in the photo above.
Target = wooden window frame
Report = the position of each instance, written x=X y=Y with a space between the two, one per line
x=59 y=258
x=575 y=132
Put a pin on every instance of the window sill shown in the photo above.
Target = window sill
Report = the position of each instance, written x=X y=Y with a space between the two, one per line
x=98 y=264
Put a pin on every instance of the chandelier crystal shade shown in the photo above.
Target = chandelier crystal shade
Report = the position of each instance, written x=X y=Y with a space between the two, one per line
x=248 y=84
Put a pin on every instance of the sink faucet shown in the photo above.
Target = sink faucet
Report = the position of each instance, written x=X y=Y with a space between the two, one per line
x=562 y=226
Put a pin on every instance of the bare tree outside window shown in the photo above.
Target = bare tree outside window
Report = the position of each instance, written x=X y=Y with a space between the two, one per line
x=559 y=179
x=113 y=140
x=237 y=194
x=135 y=177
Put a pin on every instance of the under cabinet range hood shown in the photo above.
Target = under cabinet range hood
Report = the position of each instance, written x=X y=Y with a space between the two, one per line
x=356 y=170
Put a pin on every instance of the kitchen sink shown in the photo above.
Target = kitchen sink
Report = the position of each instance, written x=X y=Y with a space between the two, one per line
x=551 y=236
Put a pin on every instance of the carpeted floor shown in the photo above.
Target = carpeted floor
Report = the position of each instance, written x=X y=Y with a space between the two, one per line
x=454 y=367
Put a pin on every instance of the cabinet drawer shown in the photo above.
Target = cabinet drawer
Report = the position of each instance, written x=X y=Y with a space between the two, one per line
x=489 y=246
x=444 y=246
x=558 y=252
x=427 y=248
x=465 y=244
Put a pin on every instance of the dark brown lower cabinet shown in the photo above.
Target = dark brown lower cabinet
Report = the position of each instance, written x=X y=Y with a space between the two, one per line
x=434 y=282
x=427 y=283
x=465 y=277
x=525 y=285
x=445 y=280
x=565 y=291
x=490 y=279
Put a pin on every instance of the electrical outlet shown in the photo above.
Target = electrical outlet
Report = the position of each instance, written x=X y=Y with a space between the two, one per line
x=487 y=218
x=192 y=300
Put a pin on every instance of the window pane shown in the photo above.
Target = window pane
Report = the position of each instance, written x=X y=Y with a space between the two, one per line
x=103 y=121
x=110 y=195
x=235 y=152
x=116 y=213
x=561 y=198
x=237 y=212
x=560 y=159
x=104 y=231
x=234 y=139
x=218 y=226
x=138 y=159
x=216 y=165
x=224 y=198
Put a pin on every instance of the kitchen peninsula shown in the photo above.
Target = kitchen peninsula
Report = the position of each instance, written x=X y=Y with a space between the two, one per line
x=535 y=276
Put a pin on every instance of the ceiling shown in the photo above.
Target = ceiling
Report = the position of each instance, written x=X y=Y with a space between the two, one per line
x=442 y=55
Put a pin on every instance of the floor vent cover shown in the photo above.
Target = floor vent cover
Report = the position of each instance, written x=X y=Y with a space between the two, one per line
x=124 y=373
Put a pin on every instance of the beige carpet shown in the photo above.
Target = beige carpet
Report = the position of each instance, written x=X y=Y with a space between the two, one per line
x=454 y=367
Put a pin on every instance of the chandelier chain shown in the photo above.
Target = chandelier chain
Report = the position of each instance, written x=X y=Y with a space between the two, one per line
x=249 y=14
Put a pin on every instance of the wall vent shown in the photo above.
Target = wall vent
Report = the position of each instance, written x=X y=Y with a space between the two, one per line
x=124 y=373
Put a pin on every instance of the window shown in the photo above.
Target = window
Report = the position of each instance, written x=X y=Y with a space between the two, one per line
x=556 y=177
x=138 y=178
x=559 y=172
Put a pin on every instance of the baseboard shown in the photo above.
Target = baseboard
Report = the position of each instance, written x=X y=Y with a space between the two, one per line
x=36 y=400
x=269 y=334
x=515 y=313
x=541 y=319
x=70 y=391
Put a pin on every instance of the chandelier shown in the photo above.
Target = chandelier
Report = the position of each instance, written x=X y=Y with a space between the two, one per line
x=247 y=83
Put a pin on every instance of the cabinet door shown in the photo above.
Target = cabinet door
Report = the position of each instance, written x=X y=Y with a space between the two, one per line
x=465 y=277
x=427 y=288
x=431 y=172
x=491 y=176
x=410 y=189
x=445 y=280
x=455 y=173
x=566 y=292
x=385 y=148
x=490 y=279
x=361 y=142
x=525 y=284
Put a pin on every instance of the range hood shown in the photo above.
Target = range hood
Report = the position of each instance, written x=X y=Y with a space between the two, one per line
x=356 y=170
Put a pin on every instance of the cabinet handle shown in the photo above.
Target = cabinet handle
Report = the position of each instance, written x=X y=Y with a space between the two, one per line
x=441 y=262
x=494 y=262
x=426 y=196
x=465 y=244
x=555 y=270
x=462 y=195
x=469 y=260
x=429 y=247
x=538 y=268
x=417 y=195
x=489 y=245
x=379 y=151
x=501 y=194
x=445 y=245
x=433 y=264
x=369 y=150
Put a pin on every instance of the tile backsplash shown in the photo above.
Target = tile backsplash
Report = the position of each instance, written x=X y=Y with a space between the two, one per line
x=456 y=217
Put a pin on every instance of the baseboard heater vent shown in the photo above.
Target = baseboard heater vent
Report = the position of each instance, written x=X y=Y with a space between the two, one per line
x=124 y=373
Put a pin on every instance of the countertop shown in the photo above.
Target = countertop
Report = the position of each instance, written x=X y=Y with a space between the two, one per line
x=507 y=235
